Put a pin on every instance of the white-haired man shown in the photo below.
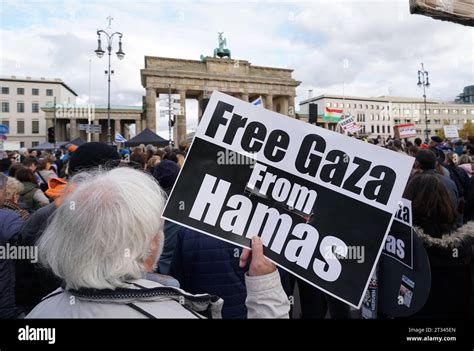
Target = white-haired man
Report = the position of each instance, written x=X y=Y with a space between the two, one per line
x=104 y=237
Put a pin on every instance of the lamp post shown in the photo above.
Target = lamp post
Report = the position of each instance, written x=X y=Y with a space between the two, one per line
x=424 y=81
x=100 y=53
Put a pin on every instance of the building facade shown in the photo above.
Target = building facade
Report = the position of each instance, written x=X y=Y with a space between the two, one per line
x=467 y=95
x=378 y=116
x=197 y=79
x=69 y=119
x=21 y=99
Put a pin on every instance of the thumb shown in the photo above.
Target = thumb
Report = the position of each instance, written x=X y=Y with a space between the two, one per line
x=257 y=248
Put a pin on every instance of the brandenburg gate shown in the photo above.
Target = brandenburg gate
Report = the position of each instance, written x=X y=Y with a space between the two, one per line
x=197 y=79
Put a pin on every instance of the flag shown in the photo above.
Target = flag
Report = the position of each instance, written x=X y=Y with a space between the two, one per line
x=119 y=138
x=332 y=114
x=258 y=102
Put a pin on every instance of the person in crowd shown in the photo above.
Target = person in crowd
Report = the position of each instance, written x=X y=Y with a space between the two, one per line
x=460 y=178
x=24 y=153
x=150 y=151
x=458 y=146
x=30 y=163
x=183 y=146
x=14 y=168
x=152 y=163
x=92 y=155
x=56 y=187
x=180 y=157
x=425 y=162
x=161 y=153
x=449 y=249
x=87 y=252
x=436 y=142
x=45 y=172
x=33 y=282
x=13 y=191
x=205 y=264
x=412 y=150
x=470 y=150
x=166 y=173
x=64 y=160
x=465 y=163
x=10 y=224
x=171 y=156
x=5 y=164
x=32 y=197
x=138 y=160
x=57 y=162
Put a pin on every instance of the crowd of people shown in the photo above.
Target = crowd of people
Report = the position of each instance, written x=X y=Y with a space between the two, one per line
x=94 y=215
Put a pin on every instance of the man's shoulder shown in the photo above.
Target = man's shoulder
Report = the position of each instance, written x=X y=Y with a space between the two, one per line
x=10 y=224
x=6 y=215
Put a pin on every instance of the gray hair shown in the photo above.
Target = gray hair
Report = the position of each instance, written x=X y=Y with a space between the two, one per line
x=100 y=236
x=464 y=159
x=14 y=187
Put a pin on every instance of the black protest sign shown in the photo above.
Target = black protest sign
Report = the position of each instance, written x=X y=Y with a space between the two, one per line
x=403 y=291
x=321 y=202
x=399 y=243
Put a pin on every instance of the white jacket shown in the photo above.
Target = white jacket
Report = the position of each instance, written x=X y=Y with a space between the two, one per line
x=265 y=299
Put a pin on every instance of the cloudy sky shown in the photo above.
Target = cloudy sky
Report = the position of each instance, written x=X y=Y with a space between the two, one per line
x=374 y=46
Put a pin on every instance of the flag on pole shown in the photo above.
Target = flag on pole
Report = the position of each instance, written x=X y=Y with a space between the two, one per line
x=332 y=114
x=258 y=102
x=119 y=138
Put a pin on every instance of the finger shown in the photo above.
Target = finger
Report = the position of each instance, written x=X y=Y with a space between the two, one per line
x=257 y=247
x=244 y=257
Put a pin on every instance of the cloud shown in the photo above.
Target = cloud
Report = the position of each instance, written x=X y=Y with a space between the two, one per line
x=375 y=47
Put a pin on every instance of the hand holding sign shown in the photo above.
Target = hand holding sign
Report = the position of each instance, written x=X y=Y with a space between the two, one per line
x=259 y=264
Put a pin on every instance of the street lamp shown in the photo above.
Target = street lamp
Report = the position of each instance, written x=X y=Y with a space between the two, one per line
x=424 y=81
x=100 y=53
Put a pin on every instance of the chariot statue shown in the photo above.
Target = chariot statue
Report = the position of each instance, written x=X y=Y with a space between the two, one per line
x=222 y=50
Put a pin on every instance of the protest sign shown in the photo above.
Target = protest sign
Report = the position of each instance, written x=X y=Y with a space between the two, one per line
x=321 y=202
x=399 y=244
x=404 y=131
x=451 y=131
x=349 y=124
x=402 y=290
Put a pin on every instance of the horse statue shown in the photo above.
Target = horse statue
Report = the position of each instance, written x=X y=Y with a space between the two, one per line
x=221 y=51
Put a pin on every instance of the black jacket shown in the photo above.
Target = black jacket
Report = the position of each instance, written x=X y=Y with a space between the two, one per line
x=10 y=224
x=451 y=268
x=203 y=264
x=33 y=282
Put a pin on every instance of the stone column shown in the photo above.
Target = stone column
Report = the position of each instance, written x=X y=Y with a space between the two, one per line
x=95 y=136
x=115 y=125
x=291 y=106
x=268 y=101
x=138 y=126
x=73 y=128
x=151 y=109
x=244 y=97
x=284 y=105
x=200 y=106
x=180 y=123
